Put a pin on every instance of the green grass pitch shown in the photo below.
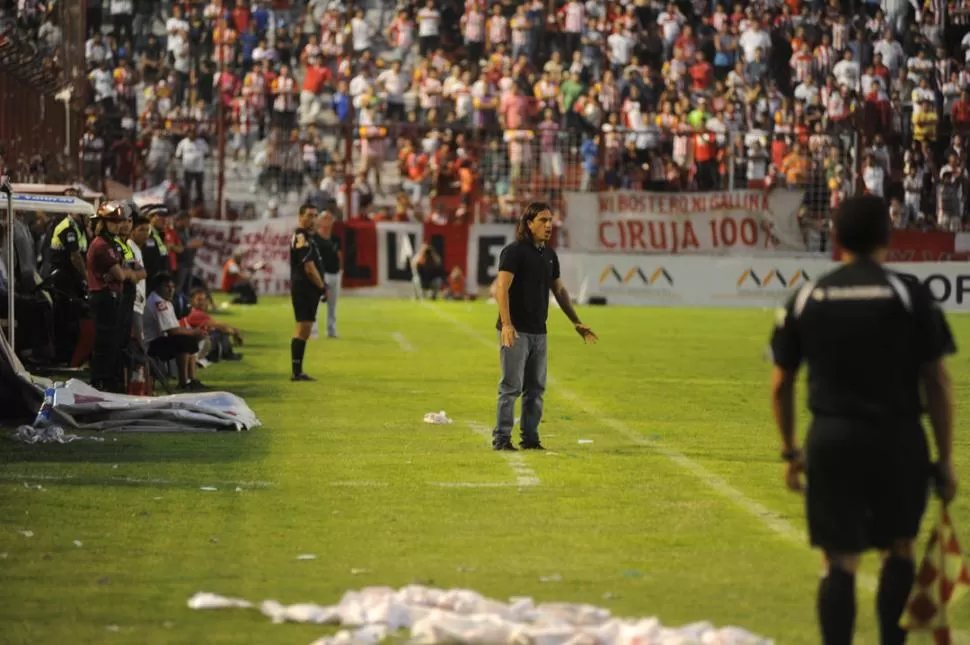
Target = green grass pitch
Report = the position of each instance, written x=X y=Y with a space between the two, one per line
x=674 y=506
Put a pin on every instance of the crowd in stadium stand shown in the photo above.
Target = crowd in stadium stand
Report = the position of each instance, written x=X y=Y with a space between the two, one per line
x=490 y=102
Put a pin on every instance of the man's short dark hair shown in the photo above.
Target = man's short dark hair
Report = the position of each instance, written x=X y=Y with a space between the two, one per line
x=862 y=224
x=138 y=220
x=522 y=232
x=306 y=207
x=160 y=279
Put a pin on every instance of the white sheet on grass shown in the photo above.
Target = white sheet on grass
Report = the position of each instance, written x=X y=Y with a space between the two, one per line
x=434 y=616
x=82 y=407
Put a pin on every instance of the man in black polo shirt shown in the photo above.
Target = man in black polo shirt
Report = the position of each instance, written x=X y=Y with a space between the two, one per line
x=306 y=286
x=528 y=270
x=872 y=339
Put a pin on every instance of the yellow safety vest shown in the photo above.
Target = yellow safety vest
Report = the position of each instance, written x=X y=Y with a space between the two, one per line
x=159 y=242
x=62 y=226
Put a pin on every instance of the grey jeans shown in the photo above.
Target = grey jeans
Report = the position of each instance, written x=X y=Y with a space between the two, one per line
x=523 y=373
x=333 y=294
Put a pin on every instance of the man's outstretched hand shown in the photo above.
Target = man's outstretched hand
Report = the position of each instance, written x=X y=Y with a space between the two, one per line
x=586 y=333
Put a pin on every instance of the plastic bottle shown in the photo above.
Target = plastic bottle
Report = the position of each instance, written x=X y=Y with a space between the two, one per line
x=46 y=409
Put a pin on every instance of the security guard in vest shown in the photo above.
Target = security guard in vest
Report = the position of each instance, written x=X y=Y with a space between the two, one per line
x=106 y=276
x=307 y=287
x=874 y=343
x=65 y=267
x=126 y=300
x=155 y=252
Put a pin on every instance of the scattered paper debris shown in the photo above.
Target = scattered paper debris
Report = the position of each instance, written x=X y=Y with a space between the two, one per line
x=49 y=434
x=359 y=572
x=609 y=595
x=438 y=418
x=113 y=628
x=114 y=467
x=3 y=556
x=208 y=488
x=33 y=486
x=438 y=616
x=239 y=489
x=205 y=600
x=168 y=624
x=156 y=498
x=214 y=540
x=584 y=442
x=78 y=543
x=307 y=556
x=553 y=578
x=26 y=533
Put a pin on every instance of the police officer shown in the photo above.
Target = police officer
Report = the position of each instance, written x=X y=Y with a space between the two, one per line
x=66 y=247
x=155 y=253
x=329 y=247
x=871 y=340
x=106 y=275
x=307 y=287
x=126 y=301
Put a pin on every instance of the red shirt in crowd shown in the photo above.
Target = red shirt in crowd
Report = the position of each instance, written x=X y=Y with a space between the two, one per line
x=102 y=256
x=198 y=319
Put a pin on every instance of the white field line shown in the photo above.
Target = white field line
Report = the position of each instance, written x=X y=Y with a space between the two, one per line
x=360 y=484
x=402 y=342
x=719 y=485
x=144 y=481
x=524 y=475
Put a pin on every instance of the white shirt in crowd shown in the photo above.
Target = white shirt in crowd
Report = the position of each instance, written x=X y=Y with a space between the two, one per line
x=159 y=317
x=428 y=22
x=847 y=72
x=192 y=153
x=394 y=85
x=172 y=27
x=621 y=47
x=96 y=53
x=361 y=34
x=140 y=296
x=752 y=40
x=874 y=178
x=103 y=82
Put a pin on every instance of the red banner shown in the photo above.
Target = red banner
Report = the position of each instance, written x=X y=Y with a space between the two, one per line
x=358 y=241
x=451 y=241
x=919 y=246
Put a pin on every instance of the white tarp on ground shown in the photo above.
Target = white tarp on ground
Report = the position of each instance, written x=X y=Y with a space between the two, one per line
x=84 y=408
x=434 y=616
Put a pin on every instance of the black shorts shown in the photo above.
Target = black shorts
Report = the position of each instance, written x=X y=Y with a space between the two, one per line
x=168 y=347
x=867 y=486
x=305 y=303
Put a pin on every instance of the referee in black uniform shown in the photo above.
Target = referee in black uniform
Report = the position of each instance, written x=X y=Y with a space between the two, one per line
x=307 y=287
x=873 y=340
x=528 y=271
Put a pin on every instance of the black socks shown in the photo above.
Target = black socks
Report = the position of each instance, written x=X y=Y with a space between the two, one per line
x=836 y=607
x=297 y=349
x=895 y=583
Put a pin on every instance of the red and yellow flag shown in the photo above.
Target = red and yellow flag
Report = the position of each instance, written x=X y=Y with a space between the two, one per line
x=942 y=579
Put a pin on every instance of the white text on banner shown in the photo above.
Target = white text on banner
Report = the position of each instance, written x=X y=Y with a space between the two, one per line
x=261 y=241
x=741 y=222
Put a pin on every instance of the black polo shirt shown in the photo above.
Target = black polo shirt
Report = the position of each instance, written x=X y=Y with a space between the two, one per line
x=303 y=249
x=329 y=248
x=863 y=331
x=535 y=270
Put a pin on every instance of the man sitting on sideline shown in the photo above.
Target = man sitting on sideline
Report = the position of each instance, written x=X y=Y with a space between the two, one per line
x=165 y=338
x=221 y=335
x=236 y=280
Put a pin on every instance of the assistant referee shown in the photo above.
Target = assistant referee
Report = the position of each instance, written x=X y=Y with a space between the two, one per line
x=528 y=271
x=872 y=340
x=306 y=286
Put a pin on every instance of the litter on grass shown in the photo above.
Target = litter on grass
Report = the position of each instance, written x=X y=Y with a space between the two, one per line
x=584 y=442
x=430 y=616
x=78 y=543
x=208 y=488
x=49 y=434
x=306 y=556
x=26 y=533
x=437 y=418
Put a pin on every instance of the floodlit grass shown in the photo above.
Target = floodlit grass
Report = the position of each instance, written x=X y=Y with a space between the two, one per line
x=343 y=468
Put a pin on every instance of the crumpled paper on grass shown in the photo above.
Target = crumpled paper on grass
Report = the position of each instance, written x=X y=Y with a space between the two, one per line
x=437 y=418
x=437 y=616
x=48 y=434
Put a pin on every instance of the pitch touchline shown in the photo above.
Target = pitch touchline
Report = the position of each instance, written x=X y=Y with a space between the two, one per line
x=524 y=475
x=94 y=480
x=718 y=484
x=402 y=342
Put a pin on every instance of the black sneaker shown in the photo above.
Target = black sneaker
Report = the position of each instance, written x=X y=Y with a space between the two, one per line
x=531 y=445
x=302 y=377
x=195 y=386
x=504 y=445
